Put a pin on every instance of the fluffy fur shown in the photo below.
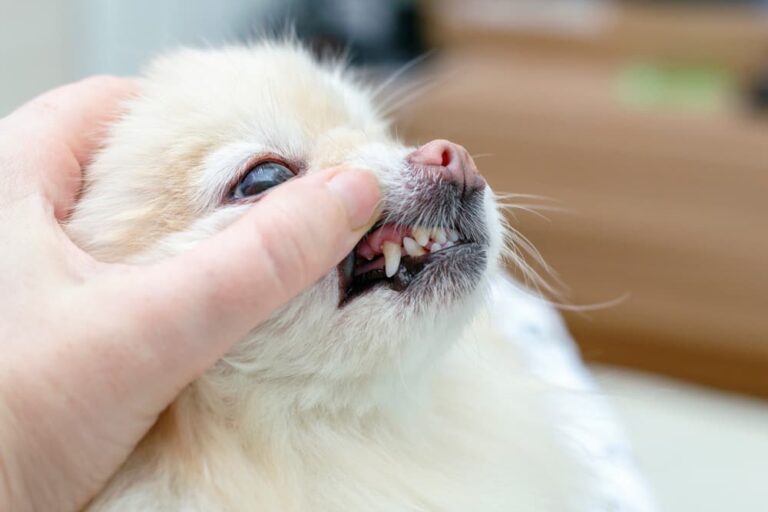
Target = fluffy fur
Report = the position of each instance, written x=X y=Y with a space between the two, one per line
x=389 y=403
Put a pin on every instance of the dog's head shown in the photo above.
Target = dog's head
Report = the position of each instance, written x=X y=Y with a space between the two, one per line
x=213 y=130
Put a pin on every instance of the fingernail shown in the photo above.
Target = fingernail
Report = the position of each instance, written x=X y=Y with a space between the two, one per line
x=359 y=193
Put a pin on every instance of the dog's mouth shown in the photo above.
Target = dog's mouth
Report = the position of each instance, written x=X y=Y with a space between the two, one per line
x=395 y=255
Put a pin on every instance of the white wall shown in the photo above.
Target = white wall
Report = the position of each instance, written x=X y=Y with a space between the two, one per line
x=44 y=43
x=35 y=51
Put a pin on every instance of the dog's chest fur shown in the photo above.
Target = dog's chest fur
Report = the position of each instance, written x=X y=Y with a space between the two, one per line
x=474 y=438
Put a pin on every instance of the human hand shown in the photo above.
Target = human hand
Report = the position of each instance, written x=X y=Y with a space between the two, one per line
x=91 y=353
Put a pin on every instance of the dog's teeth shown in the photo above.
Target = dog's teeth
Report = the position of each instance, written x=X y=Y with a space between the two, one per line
x=438 y=235
x=412 y=248
x=447 y=244
x=453 y=235
x=392 y=253
x=421 y=235
x=436 y=247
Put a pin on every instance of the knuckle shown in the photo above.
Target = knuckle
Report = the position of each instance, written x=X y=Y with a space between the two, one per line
x=44 y=105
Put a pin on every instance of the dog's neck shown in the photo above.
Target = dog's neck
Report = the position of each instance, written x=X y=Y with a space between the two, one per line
x=263 y=408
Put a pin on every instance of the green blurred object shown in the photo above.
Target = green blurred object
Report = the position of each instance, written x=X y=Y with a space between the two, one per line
x=695 y=88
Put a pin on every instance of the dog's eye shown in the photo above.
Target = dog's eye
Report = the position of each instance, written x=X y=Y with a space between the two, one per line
x=261 y=177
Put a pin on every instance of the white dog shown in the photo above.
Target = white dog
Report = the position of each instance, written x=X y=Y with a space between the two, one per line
x=381 y=388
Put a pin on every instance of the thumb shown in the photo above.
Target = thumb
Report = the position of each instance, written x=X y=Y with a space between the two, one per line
x=212 y=295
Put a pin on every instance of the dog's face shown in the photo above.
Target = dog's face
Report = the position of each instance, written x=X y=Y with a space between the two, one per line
x=215 y=129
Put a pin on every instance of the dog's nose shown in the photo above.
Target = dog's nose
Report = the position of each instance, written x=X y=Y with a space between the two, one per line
x=452 y=163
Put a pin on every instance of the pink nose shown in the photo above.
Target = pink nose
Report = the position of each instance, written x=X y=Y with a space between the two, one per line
x=452 y=162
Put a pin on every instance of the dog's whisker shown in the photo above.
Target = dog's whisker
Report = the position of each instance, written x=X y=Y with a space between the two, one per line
x=405 y=97
x=397 y=74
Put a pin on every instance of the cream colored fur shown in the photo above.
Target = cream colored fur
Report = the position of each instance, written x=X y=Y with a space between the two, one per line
x=372 y=407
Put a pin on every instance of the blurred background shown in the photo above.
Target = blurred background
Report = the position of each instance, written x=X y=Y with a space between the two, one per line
x=640 y=130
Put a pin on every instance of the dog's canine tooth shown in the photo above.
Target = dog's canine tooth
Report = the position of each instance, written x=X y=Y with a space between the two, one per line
x=392 y=253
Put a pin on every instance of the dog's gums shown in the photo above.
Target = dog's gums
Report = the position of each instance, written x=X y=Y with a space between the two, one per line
x=394 y=255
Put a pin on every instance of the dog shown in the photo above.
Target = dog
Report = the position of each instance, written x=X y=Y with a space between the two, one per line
x=383 y=387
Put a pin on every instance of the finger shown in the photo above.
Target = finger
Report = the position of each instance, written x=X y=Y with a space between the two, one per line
x=76 y=114
x=46 y=142
x=214 y=294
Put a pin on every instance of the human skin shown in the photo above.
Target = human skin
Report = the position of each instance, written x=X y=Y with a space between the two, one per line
x=91 y=353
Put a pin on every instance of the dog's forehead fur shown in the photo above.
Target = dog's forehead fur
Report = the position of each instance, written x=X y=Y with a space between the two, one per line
x=275 y=93
x=199 y=116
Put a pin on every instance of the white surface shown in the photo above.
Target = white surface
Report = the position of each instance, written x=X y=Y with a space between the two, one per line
x=585 y=422
x=700 y=450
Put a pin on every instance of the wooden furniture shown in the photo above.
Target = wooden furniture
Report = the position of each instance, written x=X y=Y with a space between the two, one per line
x=668 y=209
